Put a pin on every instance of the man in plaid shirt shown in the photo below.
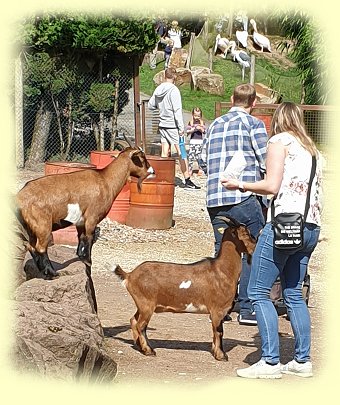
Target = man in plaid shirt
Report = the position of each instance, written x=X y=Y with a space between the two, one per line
x=236 y=130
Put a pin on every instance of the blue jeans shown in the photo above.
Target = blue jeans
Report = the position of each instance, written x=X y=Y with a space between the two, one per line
x=248 y=212
x=267 y=264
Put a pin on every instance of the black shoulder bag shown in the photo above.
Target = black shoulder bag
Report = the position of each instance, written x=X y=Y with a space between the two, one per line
x=288 y=226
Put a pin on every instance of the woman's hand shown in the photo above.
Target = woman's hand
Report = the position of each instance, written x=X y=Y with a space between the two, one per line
x=230 y=184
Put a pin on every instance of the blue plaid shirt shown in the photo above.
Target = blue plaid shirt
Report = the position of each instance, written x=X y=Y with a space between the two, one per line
x=219 y=146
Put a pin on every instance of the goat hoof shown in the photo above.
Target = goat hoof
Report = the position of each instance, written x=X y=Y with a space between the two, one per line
x=149 y=352
x=221 y=356
x=50 y=274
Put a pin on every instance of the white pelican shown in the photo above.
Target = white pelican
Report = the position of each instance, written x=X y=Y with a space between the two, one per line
x=222 y=44
x=241 y=57
x=242 y=36
x=260 y=39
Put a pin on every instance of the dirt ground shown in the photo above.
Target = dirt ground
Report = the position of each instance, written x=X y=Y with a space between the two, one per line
x=182 y=341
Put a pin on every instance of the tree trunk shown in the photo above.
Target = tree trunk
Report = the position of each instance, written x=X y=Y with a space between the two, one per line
x=40 y=134
x=69 y=134
x=60 y=131
x=96 y=134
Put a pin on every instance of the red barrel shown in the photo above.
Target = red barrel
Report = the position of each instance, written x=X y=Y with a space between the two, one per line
x=120 y=207
x=66 y=236
x=153 y=207
x=66 y=167
x=266 y=118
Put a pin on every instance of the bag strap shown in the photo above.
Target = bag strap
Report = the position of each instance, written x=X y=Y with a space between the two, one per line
x=312 y=174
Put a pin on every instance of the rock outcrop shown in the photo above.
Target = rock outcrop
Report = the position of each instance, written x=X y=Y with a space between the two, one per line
x=57 y=331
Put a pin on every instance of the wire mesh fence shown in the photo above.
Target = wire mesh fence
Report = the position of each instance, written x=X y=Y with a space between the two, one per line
x=319 y=119
x=67 y=108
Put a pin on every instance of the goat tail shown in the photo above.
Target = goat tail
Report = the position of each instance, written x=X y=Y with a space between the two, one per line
x=119 y=272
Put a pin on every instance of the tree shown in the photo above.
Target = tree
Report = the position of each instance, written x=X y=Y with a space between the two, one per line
x=50 y=42
x=45 y=79
x=71 y=32
x=101 y=100
x=307 y=52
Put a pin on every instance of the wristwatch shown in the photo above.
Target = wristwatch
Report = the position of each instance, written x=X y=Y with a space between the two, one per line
x=241 y=187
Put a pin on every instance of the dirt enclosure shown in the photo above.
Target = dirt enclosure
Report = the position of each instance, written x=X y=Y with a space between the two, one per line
x=182 y=341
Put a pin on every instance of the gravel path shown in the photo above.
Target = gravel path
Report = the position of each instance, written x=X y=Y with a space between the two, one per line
x=182 y=341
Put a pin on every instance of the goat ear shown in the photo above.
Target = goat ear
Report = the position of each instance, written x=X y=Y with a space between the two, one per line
x=134 y=152
x=232 y=222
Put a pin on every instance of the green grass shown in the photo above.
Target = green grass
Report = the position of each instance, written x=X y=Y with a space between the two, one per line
x=285 y=81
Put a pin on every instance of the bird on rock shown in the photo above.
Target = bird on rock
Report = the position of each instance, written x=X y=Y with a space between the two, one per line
x=242 y=36
x=259 y=39
x=222 y=44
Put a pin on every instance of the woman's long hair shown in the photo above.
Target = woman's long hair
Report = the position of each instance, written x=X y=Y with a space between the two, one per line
x=288 y=117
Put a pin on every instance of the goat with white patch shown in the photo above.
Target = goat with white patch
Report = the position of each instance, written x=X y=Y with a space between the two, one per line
x=205 y=287
x=82 y=198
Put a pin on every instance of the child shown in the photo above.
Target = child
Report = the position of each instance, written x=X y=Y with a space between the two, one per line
x=196 y=132
x=167 y=52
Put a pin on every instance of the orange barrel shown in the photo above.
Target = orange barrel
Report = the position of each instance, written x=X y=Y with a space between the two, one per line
x=66 y=236
x=266 y=118
x=153 y=207
x=120 y=207
x=101 y=158
x=66 y=167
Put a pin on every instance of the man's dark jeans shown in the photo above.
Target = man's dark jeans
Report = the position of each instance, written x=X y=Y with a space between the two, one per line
x=248 y=212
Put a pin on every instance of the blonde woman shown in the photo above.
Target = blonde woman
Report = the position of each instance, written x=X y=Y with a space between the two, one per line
x=289 y=159
x=175 y=34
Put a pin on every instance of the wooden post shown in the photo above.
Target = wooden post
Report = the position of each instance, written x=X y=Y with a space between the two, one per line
x=19 y=144
x=210 y=59
x=190 y=51
x=230 y=22
x=218 y=109
x=136 y=100
x=143 y=127
x=252 y=70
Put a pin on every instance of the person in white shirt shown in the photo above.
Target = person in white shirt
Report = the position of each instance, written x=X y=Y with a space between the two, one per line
x=288 y=169
x=175 y=34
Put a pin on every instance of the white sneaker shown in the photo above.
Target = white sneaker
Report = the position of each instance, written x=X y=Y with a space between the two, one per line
x=300 y=369
x=261 y=369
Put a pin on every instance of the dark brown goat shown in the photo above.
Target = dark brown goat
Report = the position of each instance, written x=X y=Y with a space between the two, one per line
x=81 y=198
x=207 y=286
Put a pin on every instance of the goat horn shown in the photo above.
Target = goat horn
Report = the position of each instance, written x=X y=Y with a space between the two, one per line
x=128 y=140
x=230 y=221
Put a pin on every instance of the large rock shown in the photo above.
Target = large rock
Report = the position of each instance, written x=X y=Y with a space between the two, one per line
x=266 y=95
x=183 y=76
x=196 y=71
x=210 y=83
x=178 y=58
x=57 y=331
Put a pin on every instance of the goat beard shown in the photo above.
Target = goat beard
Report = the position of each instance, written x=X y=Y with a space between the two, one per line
x=249 y=257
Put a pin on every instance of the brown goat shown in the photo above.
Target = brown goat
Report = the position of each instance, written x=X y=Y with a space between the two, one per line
x=207 y=286
x=82 y=198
